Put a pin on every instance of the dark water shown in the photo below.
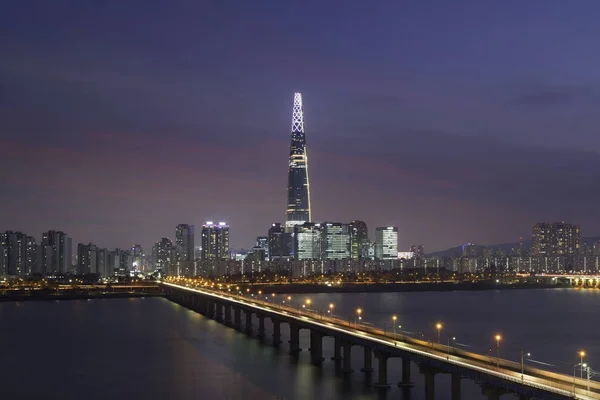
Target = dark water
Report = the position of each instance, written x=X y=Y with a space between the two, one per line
x=153 y=349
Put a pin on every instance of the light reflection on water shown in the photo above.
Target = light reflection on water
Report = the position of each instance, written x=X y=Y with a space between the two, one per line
x=154 y=349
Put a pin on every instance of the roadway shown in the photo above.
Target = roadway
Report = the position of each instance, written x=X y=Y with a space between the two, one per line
x=561 y=384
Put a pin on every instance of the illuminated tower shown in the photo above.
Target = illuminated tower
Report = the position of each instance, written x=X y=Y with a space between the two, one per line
x=298 y=194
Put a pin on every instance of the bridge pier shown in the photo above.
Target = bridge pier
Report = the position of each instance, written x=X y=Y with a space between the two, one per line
x=248 y=329
x=337 y=349
x=228 y=314
x=210 y=309
x=492 y=393
x=261 y=327
x=347 y=360
x=382 y=359
x=237 y=318
x=429 y=375
x=219 y=312
x=405 y=382
x=455 y=386
x=294 y=339
x=200 y=305
x=276 y=332
x=368 y=360
x=316 y=347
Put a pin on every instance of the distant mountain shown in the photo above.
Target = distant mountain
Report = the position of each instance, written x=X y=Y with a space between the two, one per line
x=454 y=251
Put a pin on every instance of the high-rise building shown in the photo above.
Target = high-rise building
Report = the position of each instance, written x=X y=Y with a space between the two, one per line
x=263 y=243
x=215 y=241
x=59 y=244
x=386 y=243
x=184 y=239
x=16 y=251
x=555 y=239
x=359 y=240
x=184 y=244
x=3 y=259
x=308 y=241
x=30 y=256
x=298 y=192
x=280 y=243
x=162 y=252
x=336 y=241
x=102 y=263
x=87 y=259
x=137 y=252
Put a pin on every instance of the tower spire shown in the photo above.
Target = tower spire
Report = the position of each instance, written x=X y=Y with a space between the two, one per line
x=298 y=114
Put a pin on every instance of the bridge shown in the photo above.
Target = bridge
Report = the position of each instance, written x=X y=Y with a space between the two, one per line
x=497 y=376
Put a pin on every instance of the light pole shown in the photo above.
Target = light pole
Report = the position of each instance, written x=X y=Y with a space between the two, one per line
x=574 y=368
x=581 y=354
x=498 y=338
x=358 y=312
x=290 y=301
x=331 y=307
x=308 y=304
x=394 y=318
x=523 y=363
x=438 y=326
x=453 y=339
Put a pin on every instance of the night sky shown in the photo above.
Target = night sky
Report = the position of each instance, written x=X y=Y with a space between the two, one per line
x=458 y=121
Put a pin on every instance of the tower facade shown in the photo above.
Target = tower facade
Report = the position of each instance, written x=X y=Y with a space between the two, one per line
x=298 y=192
x=215 y=241
x=386 y=243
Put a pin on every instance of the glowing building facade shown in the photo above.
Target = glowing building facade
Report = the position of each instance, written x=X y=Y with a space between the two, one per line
x=298 y=191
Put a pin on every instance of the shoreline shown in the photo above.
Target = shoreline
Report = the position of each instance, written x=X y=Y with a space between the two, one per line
x=74 y=296
x=299 y=288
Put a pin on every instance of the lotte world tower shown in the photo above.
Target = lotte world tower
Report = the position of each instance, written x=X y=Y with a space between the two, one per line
x=298 y=191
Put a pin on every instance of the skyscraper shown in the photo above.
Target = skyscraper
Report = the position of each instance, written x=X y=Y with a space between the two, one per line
x=280 y=243
x=184 y=242
x=556 y=239
x=359 y=240
x=308 y=241
x=386 y=243
x=162 y=252
x=215 y=241
x=298 y=192
x=59 y=260
x=336 y=241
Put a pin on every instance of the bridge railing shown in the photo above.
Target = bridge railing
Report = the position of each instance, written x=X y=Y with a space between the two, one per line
x=506 y=369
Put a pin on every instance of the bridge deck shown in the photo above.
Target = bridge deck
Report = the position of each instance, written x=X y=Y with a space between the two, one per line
x=551 y=382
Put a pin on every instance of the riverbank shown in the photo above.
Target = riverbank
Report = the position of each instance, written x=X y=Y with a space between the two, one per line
x=302 y=288
x=74 y=296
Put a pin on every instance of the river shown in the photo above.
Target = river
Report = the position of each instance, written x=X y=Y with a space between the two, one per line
x=151 y=348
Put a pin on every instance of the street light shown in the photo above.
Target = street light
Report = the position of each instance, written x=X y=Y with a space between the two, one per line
x=575 y=367
x=523 y=362
x=581 y=354
x=331 y=307
x=308 y=303
x=453 y=340
x=358 y=312
x=498 y=338
x=394 y=318
x=438 y=326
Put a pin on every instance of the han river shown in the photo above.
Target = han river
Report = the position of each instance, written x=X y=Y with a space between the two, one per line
x=151 y=349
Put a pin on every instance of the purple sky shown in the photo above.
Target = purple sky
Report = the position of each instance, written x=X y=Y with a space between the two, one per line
x=458 y=121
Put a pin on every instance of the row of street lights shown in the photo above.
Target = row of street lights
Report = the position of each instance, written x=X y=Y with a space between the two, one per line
x=438 y=326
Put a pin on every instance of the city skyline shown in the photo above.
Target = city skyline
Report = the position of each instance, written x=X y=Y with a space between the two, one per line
x=116 y=137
